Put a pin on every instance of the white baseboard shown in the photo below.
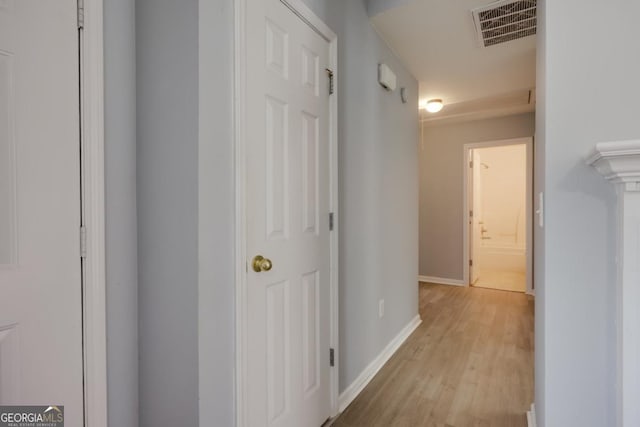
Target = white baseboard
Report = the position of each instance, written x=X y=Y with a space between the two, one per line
x=441 y=281
x=351 y=392
x=531 y=416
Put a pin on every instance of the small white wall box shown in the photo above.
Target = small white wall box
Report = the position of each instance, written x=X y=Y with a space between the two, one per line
x=386 y=77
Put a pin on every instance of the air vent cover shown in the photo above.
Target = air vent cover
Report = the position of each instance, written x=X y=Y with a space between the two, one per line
x=504 y=20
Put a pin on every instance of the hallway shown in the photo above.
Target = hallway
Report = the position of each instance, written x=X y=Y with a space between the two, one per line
x=470 y=363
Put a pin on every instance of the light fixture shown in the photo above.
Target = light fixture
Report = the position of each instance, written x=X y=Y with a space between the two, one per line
x=434 y=105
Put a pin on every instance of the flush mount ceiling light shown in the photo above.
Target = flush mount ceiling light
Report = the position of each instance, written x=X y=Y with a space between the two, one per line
x=434 y=105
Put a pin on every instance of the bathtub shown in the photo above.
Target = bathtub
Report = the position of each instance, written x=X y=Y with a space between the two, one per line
x=502 y=257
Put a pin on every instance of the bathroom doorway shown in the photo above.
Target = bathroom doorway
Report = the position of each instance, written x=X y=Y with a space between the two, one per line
x=498 y=226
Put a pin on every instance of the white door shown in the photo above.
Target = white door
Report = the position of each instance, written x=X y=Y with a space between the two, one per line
x=40 y=272
x=288 y=219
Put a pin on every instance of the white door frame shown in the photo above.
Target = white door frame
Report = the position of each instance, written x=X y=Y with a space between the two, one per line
x=240 y=96
x=528 y=141
x=93 y=206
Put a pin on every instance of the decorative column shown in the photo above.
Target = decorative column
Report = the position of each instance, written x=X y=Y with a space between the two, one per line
x=619 y=163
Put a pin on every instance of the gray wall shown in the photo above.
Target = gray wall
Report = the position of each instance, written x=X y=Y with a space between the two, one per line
x=538 y=232
x=378 y=137
x=167 y=172
x=577 y=383
x=375 y=7
x=185 y=202
x=441 y=187
x=121 y=237
x=216 y=214
x=575 y=337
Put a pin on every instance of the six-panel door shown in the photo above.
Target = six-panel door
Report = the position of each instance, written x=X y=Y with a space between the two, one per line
x=288 y=219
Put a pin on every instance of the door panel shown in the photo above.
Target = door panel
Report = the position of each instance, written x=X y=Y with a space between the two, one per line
x=287 y=219
x=40 y=275
x=278 y=327
x=277 y=174
x=311 y=331
x=310 y=178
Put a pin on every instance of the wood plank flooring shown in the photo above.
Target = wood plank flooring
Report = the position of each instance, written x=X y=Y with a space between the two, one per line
x=470 y=363
x=502 y=280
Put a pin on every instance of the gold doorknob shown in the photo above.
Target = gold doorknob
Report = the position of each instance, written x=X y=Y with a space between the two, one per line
x=261 y=263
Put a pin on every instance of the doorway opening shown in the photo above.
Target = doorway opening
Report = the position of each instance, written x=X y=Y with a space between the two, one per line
x=498 y=223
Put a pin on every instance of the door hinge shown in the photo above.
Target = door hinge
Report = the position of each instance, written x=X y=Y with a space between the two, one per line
x=470 y=164
x=330 y=75
x=80 y=14
x=330 y=221
x=471 y=214
x=83 y=242
x=332 y=361
x=470 y=263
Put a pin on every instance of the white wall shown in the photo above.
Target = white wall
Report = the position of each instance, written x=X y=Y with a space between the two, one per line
x=500 y=209
x=575 y=305
x=502 y=176
x=441 y=187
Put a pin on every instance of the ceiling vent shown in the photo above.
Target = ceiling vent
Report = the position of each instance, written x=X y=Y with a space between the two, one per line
x=504 y=20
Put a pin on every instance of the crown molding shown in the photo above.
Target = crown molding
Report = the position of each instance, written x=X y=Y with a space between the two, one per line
x=617 y=161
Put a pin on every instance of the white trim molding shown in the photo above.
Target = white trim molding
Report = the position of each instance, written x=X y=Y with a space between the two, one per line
x=619 y=163
x=93 y=205
x=531 y=416
x=441 y=281
x=356 y=387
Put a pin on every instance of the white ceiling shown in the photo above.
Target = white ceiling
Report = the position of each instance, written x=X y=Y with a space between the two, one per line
x=436 y=40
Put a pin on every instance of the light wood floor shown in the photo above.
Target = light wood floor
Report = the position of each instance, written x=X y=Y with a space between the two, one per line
x=470 y=363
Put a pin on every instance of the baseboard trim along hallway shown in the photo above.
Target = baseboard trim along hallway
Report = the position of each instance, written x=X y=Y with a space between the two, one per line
x=531 y=416
x=441 y=281
x=351 y=392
